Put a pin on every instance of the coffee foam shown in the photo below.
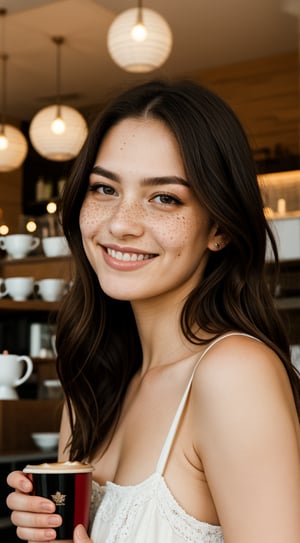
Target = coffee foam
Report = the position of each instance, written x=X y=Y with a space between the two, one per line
x=59 y=467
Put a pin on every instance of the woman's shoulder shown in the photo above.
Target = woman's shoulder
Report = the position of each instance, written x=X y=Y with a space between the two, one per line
x=237 y=355
x=240 y=373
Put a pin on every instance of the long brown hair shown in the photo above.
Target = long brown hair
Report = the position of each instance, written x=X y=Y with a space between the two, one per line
x=97 y=341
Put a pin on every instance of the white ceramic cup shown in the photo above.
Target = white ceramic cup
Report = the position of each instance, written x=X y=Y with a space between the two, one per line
x=51 y=290
x=11 y=369
x=18 y=288
x=18 y=245
x=55 y=246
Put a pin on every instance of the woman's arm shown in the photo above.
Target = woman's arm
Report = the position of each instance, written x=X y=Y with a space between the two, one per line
x=247 y=436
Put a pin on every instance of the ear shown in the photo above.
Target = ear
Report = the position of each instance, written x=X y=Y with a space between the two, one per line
x=217 y=239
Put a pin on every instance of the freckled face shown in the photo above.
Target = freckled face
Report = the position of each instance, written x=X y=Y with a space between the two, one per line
x=143 y=230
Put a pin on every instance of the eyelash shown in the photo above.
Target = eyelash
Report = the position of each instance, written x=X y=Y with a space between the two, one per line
x=172 y=200
x=175 y=199
x=96 y=186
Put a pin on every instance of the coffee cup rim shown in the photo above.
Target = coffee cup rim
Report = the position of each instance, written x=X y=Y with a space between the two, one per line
x=59 y=467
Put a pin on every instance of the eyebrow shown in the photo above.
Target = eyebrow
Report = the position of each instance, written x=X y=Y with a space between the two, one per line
x=148 y=181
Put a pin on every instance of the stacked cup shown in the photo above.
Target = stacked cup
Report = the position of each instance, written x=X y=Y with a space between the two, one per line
x=18 y=245
x=18 y=288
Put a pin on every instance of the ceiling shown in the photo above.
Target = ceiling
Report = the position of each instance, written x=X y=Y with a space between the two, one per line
x=207 y=34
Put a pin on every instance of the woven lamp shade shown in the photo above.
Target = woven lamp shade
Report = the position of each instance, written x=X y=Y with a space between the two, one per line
x=139 y=56
x=53 y=146
x=14 y=155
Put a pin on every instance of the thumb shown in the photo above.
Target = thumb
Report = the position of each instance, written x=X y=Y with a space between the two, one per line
x=80 y=535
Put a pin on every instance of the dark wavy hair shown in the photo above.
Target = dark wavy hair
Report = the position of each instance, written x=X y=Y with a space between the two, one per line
x=97 y=341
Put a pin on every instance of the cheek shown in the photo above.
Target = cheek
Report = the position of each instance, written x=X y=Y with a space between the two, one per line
x=90 y=217
x=175 y=232
x=185 y=234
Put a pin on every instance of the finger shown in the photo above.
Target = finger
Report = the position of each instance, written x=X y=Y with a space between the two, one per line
x=19 y=481
x=35 y=521
x=35 y=527
x=36 y=536
x=18 y=501
x=80 y=535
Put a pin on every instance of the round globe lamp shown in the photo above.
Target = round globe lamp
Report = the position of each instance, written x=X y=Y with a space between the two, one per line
x=139 y=45
x=58 y=136
x=13 y=148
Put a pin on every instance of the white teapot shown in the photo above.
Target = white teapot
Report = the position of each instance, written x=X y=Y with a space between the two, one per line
x=11 y=369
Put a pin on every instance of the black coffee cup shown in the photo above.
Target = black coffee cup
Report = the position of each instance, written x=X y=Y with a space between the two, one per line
x=68 y=485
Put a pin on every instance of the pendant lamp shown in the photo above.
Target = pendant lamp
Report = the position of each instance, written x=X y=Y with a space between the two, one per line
x=58 y=132
x=13 y=144
x=139 y=40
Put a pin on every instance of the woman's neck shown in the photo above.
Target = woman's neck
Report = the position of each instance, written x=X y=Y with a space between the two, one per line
x=162 y=339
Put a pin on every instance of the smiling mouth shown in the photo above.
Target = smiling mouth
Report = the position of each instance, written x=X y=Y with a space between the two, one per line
x=128 y=257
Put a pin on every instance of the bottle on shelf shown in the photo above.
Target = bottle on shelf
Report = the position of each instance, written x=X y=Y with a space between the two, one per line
x=39 y=189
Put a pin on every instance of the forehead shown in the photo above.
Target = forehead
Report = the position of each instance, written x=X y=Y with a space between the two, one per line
x=142 y=142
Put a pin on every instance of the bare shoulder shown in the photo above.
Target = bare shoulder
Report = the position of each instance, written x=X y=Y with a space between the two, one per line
x=246 y=434
x=240 y=363
x=242 y=379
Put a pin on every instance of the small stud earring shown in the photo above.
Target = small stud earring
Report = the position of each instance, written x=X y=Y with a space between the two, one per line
x=217 y=245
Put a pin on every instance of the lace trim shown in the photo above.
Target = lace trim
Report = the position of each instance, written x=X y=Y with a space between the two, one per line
x=96 y=498
x=118 y=506
x=185 y=525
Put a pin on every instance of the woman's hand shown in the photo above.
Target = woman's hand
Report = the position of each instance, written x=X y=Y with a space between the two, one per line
x=80 y=535
x=32 y=515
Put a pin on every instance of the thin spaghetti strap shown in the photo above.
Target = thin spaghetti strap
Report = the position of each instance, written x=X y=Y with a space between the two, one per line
x=164 y=455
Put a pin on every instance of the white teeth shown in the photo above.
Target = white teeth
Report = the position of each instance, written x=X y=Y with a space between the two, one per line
x=127 y=257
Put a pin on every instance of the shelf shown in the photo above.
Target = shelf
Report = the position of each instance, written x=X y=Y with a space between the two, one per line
x=43 y=360
x=34 y=259
x=27 y=456
x=28 y=305
x=288 y=303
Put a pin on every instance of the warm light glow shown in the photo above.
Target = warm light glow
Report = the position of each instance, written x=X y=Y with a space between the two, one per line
x=51 y=207
x=139 y=47
x=4 y=229
x=50 y=145
x=3 y=142
x=31 y=226
x=58 y=126
x=268 y=211
x=139 y=32
x=15 y=152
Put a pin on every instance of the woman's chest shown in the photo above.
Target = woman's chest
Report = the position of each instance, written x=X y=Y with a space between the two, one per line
x=132 y=452
x=135 y=449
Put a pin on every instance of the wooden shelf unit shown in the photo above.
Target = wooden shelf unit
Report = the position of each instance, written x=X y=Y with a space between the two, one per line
x=30 y=413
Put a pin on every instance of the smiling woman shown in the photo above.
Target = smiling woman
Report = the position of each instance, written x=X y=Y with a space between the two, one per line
x=141 y=215
x=165 y=221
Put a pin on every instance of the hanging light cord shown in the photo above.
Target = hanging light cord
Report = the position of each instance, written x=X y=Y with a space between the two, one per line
x=58 y=40
x=4 y=57
x=139 y=13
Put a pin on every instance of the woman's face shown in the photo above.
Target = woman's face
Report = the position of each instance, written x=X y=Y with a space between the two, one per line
x=143 y=230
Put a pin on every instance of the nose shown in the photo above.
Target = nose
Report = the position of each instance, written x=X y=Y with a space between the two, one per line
x=127 y=220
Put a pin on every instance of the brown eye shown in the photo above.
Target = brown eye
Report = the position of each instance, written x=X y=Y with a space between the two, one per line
x=166 y=199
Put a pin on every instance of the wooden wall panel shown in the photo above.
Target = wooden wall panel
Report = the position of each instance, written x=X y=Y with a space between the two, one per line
x=265 y=95
x=11 y=198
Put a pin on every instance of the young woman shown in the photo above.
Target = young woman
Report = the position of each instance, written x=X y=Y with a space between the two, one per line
x=175 y=364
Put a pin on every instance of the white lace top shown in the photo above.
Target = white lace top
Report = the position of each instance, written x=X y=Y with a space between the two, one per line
x=148 y=512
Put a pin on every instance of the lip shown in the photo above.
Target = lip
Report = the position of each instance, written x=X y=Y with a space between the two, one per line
x=126 y=265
